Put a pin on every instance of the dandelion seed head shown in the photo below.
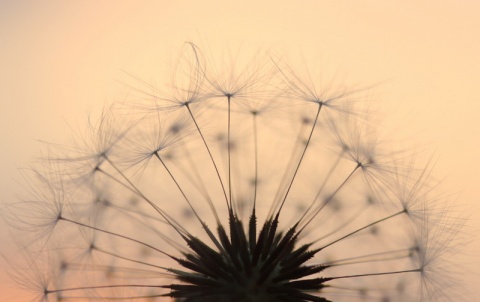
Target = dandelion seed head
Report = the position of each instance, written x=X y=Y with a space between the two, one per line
x=236 y=183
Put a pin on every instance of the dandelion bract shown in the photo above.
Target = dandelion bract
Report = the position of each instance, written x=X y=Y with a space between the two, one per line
x=233 y=183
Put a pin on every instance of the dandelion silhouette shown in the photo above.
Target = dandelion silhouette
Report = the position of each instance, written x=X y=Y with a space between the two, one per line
x=250 y=184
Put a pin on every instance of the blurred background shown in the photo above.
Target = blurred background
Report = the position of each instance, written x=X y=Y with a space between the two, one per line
x=60 y=60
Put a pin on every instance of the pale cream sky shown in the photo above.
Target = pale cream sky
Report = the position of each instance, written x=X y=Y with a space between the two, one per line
x=59 y=59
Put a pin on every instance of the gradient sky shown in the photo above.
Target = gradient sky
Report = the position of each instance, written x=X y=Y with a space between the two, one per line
x=61 y=59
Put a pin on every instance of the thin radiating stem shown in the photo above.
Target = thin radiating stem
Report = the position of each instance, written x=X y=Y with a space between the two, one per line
x=347 y=222
x=116 y=235
x=128 y=259
x=209 y=153
x=322 y=186
x=388 y=255
x=255 y=147
x=330 y=198
x=97 y=298
x=205 y=227
x=283 y=181
x=229 y=153
x=101 y=287
x=363 y=228
x=301 y=157
x=198 y=183
x=175 y=225
x=417 y=270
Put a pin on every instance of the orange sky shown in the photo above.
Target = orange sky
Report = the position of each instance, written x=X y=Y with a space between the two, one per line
x=60 y=59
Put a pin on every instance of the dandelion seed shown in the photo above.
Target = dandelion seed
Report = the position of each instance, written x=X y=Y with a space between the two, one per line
x=236 y=186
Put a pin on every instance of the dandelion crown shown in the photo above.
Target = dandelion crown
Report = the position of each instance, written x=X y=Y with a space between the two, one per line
x=240 y=183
